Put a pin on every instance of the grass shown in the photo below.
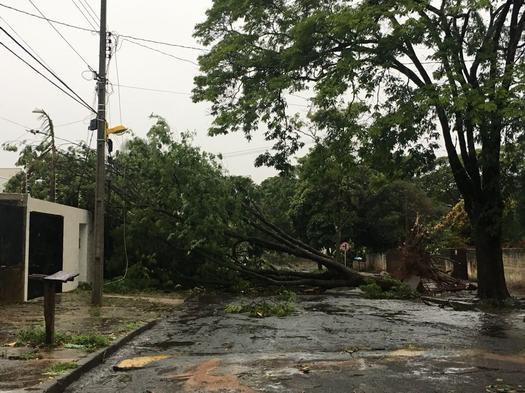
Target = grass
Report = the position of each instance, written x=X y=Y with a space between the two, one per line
x=130 y=326
x=281 y=306
x=396 y=290
x=35 y=337
x=262 y=309
x=89 y=342
x=60 y=368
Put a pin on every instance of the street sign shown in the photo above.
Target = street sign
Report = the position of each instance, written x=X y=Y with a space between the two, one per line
x=345 y=247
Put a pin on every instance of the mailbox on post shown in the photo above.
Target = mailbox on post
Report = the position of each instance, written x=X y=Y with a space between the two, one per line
x=49 y=282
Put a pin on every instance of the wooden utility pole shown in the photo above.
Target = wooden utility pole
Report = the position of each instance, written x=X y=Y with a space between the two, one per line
x=98 y=268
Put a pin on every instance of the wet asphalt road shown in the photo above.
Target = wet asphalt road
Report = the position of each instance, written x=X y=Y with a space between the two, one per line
x=334 y=343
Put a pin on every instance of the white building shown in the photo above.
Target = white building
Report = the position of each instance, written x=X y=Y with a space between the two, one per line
x=6 y=174
x=40 y=237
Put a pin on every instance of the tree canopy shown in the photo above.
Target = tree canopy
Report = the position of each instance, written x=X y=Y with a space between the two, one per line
x=393 y=74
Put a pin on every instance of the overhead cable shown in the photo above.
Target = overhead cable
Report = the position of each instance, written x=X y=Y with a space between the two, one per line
x=90 y=11
x=13 y=122
x=154 y=90
x=57 y=137
x=70 y=123
x=160 y=51
x=46 y=68
x=88 y=20
x=118 y=80
x=46 y=78
x=61 y=35
x=175 y=45
x=25 y=42
x=47 y=19
x=164 y=43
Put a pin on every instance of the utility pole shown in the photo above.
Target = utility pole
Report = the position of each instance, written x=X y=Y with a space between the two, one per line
x=98 y=268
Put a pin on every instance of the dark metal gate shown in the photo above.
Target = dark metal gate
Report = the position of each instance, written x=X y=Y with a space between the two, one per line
x=46 y=237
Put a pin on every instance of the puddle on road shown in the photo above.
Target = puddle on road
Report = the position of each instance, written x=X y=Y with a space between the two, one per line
x=169 y=344
x=494 y=326
x=329 y=309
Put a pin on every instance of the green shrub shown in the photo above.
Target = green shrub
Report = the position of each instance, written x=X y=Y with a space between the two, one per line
x=35 y=337
x=392 y=290
x=287 y=295
x=262 y=309
x=60 y=368
x=89 y=342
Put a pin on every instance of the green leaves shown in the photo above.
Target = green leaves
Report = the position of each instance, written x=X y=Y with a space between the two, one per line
x=178 y=208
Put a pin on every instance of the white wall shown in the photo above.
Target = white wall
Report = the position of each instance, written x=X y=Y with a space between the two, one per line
x=76 y=247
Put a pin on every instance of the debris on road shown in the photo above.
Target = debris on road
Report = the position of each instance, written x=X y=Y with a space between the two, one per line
x=138 y=362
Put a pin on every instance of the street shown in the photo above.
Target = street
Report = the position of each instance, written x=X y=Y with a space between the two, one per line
x=334 y=342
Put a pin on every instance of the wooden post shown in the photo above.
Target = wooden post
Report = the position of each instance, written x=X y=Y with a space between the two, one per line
x=49 y=283
x=49 y=310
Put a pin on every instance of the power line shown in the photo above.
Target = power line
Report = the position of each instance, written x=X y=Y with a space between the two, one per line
x=25 y=42
x=45 y=77
x=46 y=68
x=91 y=11
x=153 y=90
x=58 y=22
x=118 y=80
x=164 y=43
x=238 y=153
x=253 y=150
x=301 y=97
x=161 y=52
x=70 y=123
x=89 y=21
x=61 y=35
x=13 y=122
x=33 y=131
x=47 y=19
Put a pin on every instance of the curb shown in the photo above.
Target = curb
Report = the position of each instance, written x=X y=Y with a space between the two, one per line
x=84 y=365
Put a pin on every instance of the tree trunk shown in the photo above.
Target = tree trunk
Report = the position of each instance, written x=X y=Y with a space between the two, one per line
x=487 y=238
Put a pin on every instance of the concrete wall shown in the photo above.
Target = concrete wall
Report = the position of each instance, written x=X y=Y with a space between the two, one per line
x=376 y=262
x=77 y=228
x=513 y=262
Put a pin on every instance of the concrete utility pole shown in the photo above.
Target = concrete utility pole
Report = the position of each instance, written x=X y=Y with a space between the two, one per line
x=98 y=268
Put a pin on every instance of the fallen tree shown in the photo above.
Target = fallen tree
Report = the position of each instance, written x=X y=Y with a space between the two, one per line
x=415 y=261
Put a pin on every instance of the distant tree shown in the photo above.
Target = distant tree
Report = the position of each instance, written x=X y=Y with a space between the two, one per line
x=390 y=212
x=413 y=63
x=439 y=184
x=330 y=191
x=275 y=195
x=339 y=198
x=74 y=174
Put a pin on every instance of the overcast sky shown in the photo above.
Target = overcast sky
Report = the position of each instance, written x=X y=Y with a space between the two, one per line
x=23 y=90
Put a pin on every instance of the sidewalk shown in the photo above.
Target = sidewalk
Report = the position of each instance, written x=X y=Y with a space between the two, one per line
x=81 y=328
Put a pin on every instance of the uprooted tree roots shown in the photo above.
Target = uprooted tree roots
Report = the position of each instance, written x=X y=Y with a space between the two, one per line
x=417 y=263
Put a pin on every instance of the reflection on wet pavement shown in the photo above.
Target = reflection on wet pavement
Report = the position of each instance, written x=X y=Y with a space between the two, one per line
x=335 y=342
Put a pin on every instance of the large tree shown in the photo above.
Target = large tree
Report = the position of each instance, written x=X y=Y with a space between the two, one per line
x=408 y=70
